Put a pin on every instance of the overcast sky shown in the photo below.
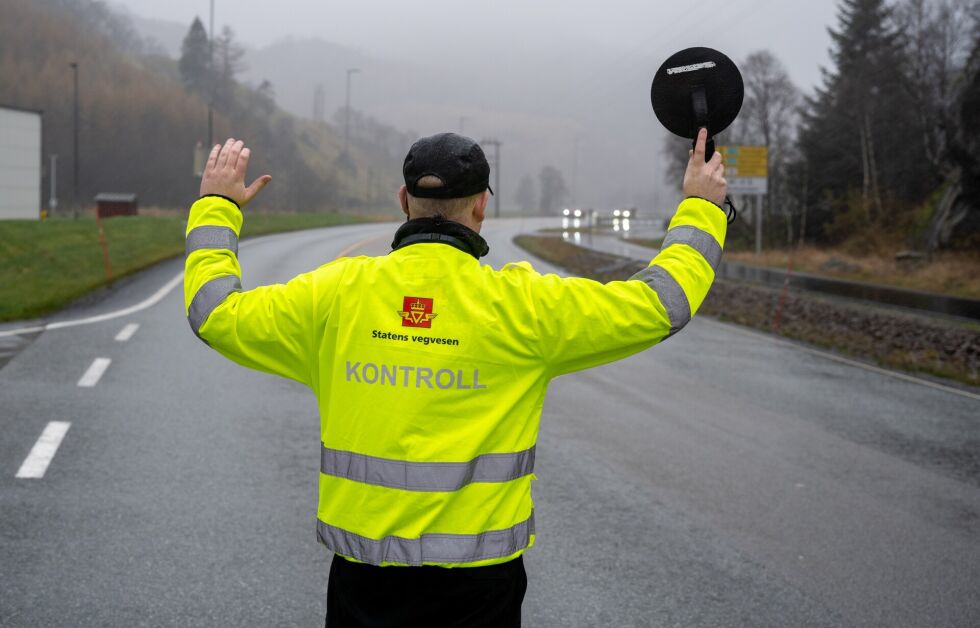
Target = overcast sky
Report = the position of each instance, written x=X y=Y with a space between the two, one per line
x=560 y=82
x=795 y=30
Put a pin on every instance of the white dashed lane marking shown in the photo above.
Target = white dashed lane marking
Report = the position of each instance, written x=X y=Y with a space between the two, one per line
x=94 y=372
x=44 y=450
x=127 y=332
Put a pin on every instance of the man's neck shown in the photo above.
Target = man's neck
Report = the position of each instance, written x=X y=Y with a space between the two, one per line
x=455 y=234
x=466 y=221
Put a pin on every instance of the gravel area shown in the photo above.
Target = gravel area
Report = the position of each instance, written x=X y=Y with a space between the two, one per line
x=891 y=337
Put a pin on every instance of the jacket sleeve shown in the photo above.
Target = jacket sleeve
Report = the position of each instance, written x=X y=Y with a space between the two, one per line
x=270 y=328
x=584 y=323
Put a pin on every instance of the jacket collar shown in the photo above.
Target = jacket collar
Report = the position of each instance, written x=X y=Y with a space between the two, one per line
x=440 y=230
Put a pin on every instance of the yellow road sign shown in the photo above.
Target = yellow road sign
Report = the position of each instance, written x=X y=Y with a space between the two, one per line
x=745 y=161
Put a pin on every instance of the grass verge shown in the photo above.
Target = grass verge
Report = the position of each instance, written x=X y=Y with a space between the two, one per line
x=46 y=265
x=924 y=344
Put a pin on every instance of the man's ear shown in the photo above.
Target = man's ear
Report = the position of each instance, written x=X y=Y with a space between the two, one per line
x=480 y=208
x=403 y=200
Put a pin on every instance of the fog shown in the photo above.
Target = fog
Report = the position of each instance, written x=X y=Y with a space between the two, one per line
x=558 y=83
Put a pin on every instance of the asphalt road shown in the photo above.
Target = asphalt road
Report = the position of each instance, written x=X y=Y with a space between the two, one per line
x=724 y=478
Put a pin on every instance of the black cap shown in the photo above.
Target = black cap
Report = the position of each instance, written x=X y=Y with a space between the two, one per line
x=455 y=160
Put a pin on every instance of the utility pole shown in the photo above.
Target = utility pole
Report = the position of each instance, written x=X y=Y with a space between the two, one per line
x=496 y=173
x=74 y=161
x=53 y=185
x=211 y=80
x=575 y=171
x=757 y=201
x=347 y=110
x=319 y=97
x=367 y=189
x=462 y=125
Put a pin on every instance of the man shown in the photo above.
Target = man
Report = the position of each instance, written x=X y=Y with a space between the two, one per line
x=431 y=370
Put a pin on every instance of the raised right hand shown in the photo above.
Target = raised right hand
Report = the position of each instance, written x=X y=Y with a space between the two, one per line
x=705 y=179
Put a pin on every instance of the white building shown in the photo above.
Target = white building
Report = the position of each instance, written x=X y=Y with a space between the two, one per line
x=20 y=164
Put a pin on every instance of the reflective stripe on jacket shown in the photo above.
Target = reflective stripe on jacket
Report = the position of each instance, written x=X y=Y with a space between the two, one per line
x=431 y=369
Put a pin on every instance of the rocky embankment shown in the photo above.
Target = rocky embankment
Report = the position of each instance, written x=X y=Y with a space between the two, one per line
x=888 y=336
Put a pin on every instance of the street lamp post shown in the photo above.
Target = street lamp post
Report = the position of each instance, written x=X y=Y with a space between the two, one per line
x=575 y=141
x=211 y=79
x=496 y=173
x=74 y=161
x=347 y=110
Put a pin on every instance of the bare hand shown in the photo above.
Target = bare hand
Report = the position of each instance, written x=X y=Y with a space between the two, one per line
x=705 y=179
x=224 y=173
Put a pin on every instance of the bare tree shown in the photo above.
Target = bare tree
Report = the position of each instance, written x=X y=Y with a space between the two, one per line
x=769 y=117
x=228 y=64
x=939 y=35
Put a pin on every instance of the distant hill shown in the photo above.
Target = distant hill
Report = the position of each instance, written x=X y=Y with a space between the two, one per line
x=139 y=125
x=591 y=119
x=163 y=34
x=543 y=108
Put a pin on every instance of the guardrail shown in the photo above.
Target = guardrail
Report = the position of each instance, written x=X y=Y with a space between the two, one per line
x=913 y=299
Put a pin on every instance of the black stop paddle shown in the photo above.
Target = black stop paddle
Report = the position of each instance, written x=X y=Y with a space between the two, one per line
x=698 y=88
x=695 y=88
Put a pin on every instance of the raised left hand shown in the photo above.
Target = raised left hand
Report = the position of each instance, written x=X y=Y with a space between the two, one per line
x=224 y=173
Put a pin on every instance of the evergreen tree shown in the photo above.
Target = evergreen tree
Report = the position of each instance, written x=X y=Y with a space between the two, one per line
x=861 y=161
x=195 y=59
x=526 y=193
x=553 y=189
x=266 y=95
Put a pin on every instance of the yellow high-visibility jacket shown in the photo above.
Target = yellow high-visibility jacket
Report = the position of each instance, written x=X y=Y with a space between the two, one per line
x=431 y=369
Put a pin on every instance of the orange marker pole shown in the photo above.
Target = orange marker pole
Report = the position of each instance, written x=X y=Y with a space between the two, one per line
x=782 y=296
x=105 y=247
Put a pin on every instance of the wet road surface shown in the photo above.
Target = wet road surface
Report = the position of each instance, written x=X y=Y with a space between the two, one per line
x=723 y=478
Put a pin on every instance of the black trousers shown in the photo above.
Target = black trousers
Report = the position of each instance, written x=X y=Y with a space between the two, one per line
x=365 y=596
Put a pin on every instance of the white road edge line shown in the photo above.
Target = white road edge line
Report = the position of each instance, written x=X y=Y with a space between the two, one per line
x=94 y=372
x=836 y=358
x=36 y=463
x=152 y=300
x=127 y=332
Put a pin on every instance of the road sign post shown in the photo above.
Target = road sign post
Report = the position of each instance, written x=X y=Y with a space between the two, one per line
x=747 y=173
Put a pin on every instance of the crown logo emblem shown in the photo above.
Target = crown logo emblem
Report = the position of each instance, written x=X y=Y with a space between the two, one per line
x=417 y=312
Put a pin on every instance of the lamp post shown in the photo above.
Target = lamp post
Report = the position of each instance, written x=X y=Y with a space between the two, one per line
x=496 y=173
x=347 y=110
x=74 y=160
x=211 y=79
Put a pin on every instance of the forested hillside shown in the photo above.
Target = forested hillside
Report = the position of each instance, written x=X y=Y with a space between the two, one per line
x=885 y=151
x=141 y=115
